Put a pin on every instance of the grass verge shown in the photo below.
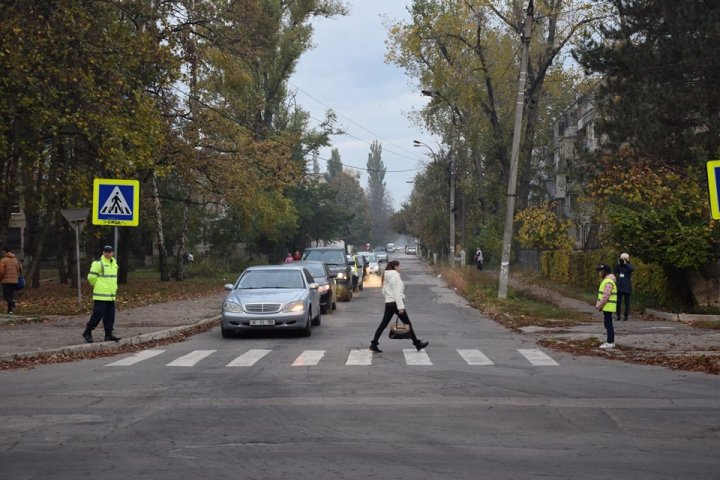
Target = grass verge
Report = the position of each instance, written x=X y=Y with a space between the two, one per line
x=520 y=309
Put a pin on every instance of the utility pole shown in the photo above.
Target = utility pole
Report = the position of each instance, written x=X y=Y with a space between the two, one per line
x=510 y=207
x=451 y=243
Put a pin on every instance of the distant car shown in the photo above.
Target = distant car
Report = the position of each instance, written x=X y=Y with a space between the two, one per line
x=373 y=264
x=381 y=253
x=411 y=250
x=357 y=265
x=279 y=297
x=327 y=281
x=335 y=259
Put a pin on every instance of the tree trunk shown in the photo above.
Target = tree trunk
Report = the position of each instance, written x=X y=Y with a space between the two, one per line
x=162 y=252
x=179 y=256
x=123 y=242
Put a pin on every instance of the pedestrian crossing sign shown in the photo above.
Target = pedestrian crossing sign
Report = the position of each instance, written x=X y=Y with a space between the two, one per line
x=713 y=172
x=116 y=202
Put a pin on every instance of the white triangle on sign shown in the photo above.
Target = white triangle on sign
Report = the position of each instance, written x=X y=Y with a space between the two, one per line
x=116 y=204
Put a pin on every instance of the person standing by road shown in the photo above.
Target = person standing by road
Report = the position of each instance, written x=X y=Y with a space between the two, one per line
x=10 y=270
x=623 y=272
x=478 y=258
x=393 y=290
x=607 y=303
x=103 y=278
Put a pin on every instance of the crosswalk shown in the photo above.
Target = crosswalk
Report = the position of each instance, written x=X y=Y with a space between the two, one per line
x=312 y=358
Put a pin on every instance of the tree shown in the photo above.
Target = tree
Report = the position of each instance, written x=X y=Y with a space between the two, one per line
x=334 y=165
x=379 y=210
x=660 y=72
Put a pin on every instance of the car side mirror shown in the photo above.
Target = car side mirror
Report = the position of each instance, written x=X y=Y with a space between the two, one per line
x=228 y=287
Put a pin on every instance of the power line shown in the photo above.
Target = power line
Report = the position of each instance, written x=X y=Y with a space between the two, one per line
x=275 y=140
x=358 y=125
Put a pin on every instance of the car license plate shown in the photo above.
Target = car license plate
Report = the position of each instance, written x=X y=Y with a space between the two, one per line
x=261 y=323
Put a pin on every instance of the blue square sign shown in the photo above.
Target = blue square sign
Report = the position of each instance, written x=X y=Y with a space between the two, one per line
x=116 y=202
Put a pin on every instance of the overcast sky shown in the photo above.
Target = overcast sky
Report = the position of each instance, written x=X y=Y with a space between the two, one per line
x=347 y=72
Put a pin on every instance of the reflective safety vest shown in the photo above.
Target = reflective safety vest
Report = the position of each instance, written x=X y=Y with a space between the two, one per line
x=611 y=305
x=103 y=277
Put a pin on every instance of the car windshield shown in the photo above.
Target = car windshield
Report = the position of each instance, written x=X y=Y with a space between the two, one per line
x=271 y=279
x=371 y=257
x=335 y=257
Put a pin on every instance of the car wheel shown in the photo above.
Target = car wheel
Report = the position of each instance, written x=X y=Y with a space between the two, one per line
x=318 y=319
x=226 y=333
x=307 y=331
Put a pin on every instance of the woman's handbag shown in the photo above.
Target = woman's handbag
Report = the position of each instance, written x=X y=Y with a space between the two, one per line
x=20 y=282
x=399 y=330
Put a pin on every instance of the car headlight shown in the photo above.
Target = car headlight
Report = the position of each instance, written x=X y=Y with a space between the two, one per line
x=232 y=307
x=323 y=288
x=296 y=306
x=341 y=275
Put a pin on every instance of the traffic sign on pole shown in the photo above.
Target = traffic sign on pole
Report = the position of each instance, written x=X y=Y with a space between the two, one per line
x=713 y=172
x=116 y=202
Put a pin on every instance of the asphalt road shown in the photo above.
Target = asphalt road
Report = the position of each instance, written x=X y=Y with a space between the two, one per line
x=473 y=407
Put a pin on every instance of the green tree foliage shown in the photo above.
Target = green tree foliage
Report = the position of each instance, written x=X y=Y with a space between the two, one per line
x=661 y=215
x=660 y=73
x=542 y=228
x=334 y=165
x=378 y=199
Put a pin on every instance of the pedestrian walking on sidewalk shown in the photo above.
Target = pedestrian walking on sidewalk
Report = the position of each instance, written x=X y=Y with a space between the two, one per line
x=393 y=290
x=607 y=303
x=623 y=272
x=103 y=278
x=10 y=271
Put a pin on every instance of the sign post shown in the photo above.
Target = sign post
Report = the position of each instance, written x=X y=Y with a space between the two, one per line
x=713 y=173
x=76 y=217
x=116 y=202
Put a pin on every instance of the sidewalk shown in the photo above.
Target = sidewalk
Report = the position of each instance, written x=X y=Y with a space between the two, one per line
x=23 y=337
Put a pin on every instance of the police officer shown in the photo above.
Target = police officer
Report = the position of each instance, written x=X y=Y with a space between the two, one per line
x=103 y=278
x=607 y=303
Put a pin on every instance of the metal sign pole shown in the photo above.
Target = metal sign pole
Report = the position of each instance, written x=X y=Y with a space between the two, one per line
x=77 y=259
x=115 y=246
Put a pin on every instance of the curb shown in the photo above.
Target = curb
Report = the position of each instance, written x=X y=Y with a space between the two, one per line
x=109 y=346
x=673 y=317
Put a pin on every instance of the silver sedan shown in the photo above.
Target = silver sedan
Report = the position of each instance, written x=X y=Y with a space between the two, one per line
x=271 y=298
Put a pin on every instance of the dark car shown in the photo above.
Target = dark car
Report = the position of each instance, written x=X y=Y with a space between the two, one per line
x=327 y=281
x=335 y=259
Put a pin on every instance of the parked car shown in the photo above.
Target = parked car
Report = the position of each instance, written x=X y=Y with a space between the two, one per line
x=327 y=281
x=373 y=266
x=391 y=248
x=335 y=259
x=410 y=249
x=278 y=297
x=381 y=253
x=357 y=265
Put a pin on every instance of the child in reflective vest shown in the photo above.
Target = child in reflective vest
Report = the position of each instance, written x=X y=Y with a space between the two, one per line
x=607 y=303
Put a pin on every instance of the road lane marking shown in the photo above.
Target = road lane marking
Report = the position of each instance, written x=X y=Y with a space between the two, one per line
x=413 y=357
x=309 y=358
x=191 y=359
x=537 y=357
x=136 y=358
x=360 y=357
x=475 y=357
x=249 y=358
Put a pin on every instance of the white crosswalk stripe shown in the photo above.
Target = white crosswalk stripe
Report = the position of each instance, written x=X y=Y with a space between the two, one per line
x=413 y=357
x=136 y=358
x=356 y=357
x=249 y=358
x=309 y=358
x=359 y=357
x=475 y=357
x=537 y=357
x=191 y=359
